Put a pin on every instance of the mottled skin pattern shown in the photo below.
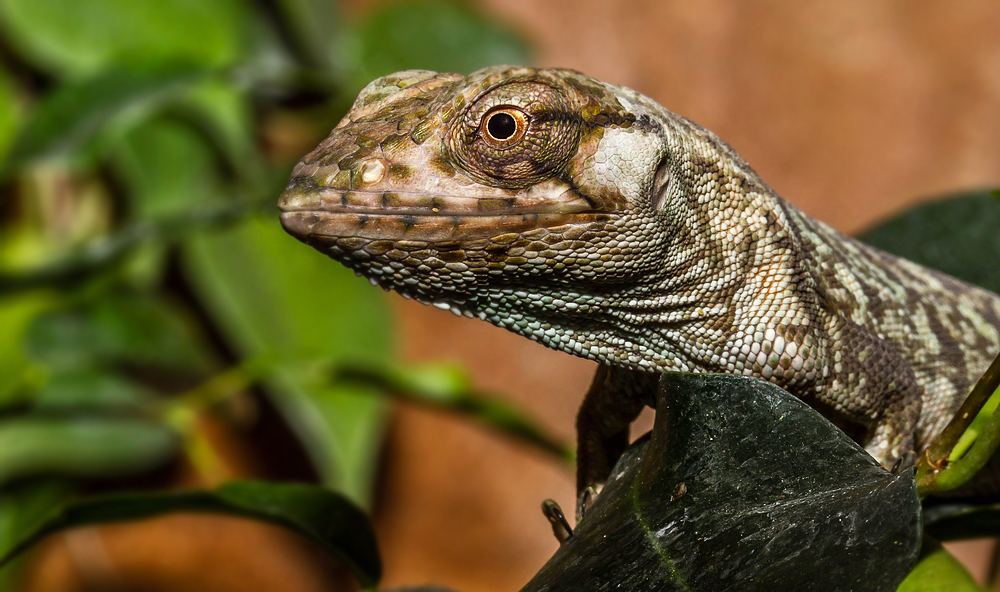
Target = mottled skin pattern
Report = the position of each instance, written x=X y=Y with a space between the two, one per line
x=589 y=218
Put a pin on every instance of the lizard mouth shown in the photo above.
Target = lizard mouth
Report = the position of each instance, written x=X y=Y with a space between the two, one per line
x=395 y=215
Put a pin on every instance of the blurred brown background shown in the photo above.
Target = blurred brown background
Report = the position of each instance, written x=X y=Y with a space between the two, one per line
x=850 y=109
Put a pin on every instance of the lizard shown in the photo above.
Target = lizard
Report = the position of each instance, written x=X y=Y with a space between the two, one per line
x=587 y=217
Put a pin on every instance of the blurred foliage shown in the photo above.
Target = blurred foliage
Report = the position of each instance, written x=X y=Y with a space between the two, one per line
x=144 y=278
x=325 y=517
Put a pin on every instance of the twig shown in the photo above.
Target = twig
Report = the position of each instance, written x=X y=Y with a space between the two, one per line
x=486 y=409
x=935 y=472
x=104 y=252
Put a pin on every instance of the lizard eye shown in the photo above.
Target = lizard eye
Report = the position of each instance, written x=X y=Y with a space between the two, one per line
x=503 y=127
x=515 y=135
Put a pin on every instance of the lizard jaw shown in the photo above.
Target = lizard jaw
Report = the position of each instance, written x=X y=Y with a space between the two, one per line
x=393 y=215
x=307 y=225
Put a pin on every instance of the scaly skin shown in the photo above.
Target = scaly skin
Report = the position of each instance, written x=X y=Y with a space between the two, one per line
x=587 y=217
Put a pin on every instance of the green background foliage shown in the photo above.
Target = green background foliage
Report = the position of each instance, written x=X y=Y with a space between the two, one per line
x=144 y=278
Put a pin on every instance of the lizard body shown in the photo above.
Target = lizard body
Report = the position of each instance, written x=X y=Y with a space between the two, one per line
x=589 y=218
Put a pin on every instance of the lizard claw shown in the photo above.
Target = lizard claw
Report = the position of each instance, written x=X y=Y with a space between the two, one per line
x=586 y=499
x=905 y=461
x=560 y=526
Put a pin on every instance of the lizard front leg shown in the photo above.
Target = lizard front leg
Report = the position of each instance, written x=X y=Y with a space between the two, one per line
x=873 y=384
x=615 y=398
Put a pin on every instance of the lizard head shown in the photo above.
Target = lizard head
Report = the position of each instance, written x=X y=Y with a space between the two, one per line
x=526 y=197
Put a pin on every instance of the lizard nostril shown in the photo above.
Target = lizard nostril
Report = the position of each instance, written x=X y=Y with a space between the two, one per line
x=372 y=171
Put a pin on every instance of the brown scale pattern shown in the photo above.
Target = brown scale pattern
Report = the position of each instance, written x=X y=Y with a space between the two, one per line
x=623 y=233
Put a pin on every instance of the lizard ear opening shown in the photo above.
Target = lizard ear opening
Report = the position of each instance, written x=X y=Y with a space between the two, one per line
x=665 y=185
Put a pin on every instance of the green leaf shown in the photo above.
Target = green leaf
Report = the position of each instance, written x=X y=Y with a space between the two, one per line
x=70 y=121
x=118 y=329
x=167 y=167
x=221 y=111
x=957 y=236
x=82 y=37
x=321 y=516
x=85 y=447
x=275 y=299
x=430 y=35
x=741 y=487
x=16 y=315
x=91 y=390
x=23 y=507
x=938 y=571
x=9 y=112
x=173 y=164
x=312 y=28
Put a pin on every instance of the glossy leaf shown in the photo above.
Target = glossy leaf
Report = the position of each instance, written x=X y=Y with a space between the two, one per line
x=85 y=447
x=275 y=298
x=957 y=236
x=431 y=35
x=82 y=37
x=321 y=516
x=938 y=571
x=741 y=487
x=69 y=121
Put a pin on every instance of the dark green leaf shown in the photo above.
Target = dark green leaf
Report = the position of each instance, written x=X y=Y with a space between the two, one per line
x=69 y=121
x=81 y=37
x=938 y=571
x=322 y=516
x=276 y=299
x=23 y=508
x=430 y=35
x=957 y=236
x=85 y=447
x=742 y=487
x=953 y=520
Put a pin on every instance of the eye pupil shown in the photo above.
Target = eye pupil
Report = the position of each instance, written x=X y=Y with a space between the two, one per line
x=501 y=126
